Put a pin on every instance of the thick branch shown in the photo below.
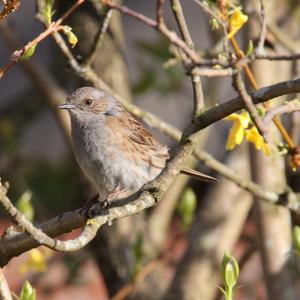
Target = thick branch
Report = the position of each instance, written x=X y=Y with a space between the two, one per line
x=259 y=96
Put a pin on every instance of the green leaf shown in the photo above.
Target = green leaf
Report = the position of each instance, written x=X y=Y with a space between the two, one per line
x=250 y=48
x=24 y=205
x=72 y=38
x=27 y=292
x=296 y=239
x=261 y=111
x=137 y=248
x=28 y=52
x=229 y=272
x=214 y=24
x=48 y=11
x=138 y=253
x=186 y=206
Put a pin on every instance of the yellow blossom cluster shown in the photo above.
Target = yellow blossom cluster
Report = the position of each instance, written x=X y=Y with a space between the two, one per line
x=36 y=261
x=241 y=129
x=236 y=20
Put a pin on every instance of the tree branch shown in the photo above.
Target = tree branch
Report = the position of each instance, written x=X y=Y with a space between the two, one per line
x=98 y=39
x=263 y=31
x=53 y=27
x=42 y=238
x=170 y=35
x=199 y=103
x=241 y=90
x=280 y=110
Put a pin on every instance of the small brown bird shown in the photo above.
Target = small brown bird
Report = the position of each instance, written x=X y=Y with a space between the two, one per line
x=114 y=150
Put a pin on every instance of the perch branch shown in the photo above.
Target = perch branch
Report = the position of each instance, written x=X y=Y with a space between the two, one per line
x=53 y=27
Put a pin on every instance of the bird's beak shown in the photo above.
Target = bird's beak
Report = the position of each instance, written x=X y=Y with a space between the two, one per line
x=67 y=105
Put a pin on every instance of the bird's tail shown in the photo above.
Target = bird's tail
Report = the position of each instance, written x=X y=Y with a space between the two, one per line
x=198 y=175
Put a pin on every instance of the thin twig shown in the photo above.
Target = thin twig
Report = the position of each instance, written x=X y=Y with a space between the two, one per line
x=38 y=235
x=280 y=110
x=239 y=53
x=170 y=35
x=254 y=85
x=53 y=27
x=293 y=56
x=215 y=16
x=43 y=82
x=263 y=31
x=14 y=245
x=159 y=13
x=181 y=22
x=259 y=96
x=241 y=90
x=205 y=7
x=199 y=103
x=205 y=72
x=98 y=38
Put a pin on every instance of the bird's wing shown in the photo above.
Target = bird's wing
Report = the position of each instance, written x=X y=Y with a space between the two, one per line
x=154 y=153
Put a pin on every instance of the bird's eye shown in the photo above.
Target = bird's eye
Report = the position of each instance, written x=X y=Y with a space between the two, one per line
x=88 y=102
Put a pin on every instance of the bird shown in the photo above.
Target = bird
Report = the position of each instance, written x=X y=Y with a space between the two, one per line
x=114 y=150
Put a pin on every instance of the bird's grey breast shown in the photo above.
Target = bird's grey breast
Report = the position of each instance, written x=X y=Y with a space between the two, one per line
x=89 y=147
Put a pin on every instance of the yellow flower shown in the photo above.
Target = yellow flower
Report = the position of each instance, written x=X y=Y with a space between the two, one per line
x=236 y=20
x=240 y=130
x=253 y=136
x=237 y=132
x=36 y=261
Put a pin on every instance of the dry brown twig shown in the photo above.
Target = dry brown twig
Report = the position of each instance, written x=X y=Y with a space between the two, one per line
x=159 y=26
x=98 y=38
x=241 y=90
x=53 y=27
x=199 y=103
x=9 y=6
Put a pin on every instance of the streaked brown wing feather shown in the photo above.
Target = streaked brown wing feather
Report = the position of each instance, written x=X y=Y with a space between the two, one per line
x=157 y=153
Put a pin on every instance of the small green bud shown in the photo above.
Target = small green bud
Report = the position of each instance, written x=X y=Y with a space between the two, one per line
x=48 y=11
x=214 y=24
x=72 y=38
x=24 y=205
x=186 y=206
x=27 y=292
x=296 y=239
x=229 y=271
x=28 y=52
x=250 y=48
